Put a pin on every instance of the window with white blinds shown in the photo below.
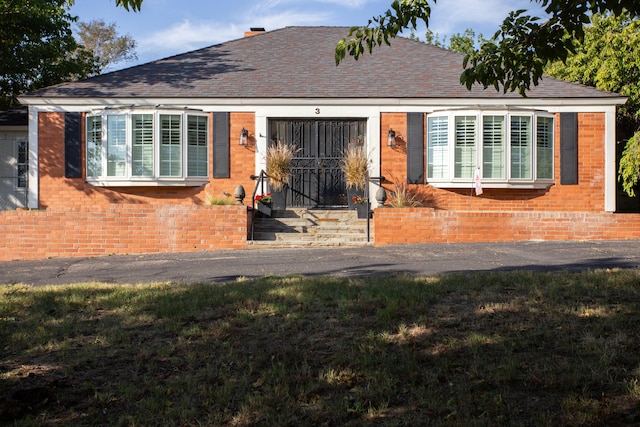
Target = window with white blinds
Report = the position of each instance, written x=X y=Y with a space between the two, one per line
x=521 y=147
x=197 y=148
x=170 y=142
x=147 y=148
x=544 y=148
x=142 y=144
x=438 y=153
x=94 y=146
x=493 y=141
x=465 y=146
x=116 y=145
x=510 y=148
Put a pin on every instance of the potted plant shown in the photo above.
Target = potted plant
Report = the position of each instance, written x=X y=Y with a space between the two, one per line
x=263 y=203
x=361 y=205
x=354 y=165
x=279 y=158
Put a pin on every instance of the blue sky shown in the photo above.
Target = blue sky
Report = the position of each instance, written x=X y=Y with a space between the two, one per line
x=168 y=27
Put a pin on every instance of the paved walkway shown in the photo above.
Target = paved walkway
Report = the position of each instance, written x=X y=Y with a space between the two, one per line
x=426 y=259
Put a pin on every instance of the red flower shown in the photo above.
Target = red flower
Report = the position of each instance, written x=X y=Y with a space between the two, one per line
x=263 y=198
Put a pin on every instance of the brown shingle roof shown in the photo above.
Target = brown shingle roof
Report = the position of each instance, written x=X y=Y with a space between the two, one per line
x=298 y=62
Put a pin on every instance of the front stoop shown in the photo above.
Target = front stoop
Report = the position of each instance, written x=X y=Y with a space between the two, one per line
x=311 y=227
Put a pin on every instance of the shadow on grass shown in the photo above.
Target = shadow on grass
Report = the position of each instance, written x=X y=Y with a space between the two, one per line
x=516 y=348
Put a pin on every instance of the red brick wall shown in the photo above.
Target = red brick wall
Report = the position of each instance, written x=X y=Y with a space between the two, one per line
x=587 y=196
x=121 y=229
x=58 y=191
x=420 y=225
x=81 y=220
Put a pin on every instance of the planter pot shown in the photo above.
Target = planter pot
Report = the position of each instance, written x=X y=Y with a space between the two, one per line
x=263 y=209
x=279 y=199
x=362 y=209
x=351 y=193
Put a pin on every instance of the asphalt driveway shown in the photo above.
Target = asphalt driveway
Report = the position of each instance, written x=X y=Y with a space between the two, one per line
x=425 y=259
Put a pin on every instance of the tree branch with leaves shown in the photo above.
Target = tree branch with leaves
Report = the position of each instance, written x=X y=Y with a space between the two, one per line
x=514 y=58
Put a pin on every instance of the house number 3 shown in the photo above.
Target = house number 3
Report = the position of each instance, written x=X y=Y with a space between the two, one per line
x=317 y=111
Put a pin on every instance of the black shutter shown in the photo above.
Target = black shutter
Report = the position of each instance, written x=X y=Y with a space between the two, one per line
x=72 y=146
x=415 y=148
x=568 y=148
x=221 y=145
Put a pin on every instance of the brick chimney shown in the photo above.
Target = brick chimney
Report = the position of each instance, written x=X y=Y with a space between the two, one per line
x=253 y=31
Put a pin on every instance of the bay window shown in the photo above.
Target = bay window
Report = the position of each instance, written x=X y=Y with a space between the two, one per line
x=147 y=148
x=510 y=148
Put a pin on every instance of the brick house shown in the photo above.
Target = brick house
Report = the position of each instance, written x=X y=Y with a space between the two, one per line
x=121 y=163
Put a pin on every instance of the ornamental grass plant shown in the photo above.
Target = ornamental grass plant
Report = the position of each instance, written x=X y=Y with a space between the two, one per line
x=279 y=158
x=355 y=166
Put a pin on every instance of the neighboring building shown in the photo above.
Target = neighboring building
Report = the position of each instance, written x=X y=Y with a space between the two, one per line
x=14 y=158
x=168 y=132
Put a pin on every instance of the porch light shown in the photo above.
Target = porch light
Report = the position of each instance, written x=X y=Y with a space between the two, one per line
x=391 y=139
x=244 y=136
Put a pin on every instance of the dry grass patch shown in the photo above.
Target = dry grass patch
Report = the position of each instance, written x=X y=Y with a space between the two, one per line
x=488 y=349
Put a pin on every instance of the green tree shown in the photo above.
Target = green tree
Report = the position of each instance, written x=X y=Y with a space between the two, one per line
x=134 y=5
x=108 y=47
x=515 y=57
x=37 y=47
x=462 y=43
x=608 y=58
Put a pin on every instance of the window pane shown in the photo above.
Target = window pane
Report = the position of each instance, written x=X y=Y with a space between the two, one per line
x=437 y=151
x=465 y=146
x=521 y=147
x=544 y=148
x=493 y=142
x=23 y=163
x=197 y=152
x=170 y=150
x=116 y=145
x=142 y=144
x=94 y=146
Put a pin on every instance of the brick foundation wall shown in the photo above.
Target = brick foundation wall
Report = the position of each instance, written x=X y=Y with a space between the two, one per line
x=423 y=225
x=121 y=229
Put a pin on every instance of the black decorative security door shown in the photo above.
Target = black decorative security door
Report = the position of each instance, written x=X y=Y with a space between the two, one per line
x=317 y=180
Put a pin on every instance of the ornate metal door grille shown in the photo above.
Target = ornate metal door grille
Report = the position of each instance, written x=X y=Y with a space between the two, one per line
x=317 y=180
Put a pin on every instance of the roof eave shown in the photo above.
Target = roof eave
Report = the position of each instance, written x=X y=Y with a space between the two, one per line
x=60 y=103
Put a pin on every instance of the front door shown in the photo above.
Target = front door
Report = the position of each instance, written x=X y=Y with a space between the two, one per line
x=317 y=180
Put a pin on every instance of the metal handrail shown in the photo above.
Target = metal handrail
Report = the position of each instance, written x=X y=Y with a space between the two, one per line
x=260 y=178
x=380 y=180
x=259 y=182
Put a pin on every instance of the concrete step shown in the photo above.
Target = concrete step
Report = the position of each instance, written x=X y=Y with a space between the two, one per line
x=310 y=227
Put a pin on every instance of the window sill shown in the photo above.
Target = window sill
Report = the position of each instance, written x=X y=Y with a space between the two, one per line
x=539 y=185
x=156 y=182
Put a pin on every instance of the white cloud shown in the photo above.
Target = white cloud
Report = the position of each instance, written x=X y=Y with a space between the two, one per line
x=185 y=36
x=482 y=16
x=188 y=35
x=353 y=4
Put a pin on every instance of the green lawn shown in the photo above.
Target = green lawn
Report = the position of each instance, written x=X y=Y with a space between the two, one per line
x=513 y=348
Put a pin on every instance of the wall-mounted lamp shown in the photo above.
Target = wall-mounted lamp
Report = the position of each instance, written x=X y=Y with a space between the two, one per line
x=244 y=136
x=391 y=139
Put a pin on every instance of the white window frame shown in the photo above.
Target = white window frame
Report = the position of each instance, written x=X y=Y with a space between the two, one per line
x=154 y=179
x=449 y=179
